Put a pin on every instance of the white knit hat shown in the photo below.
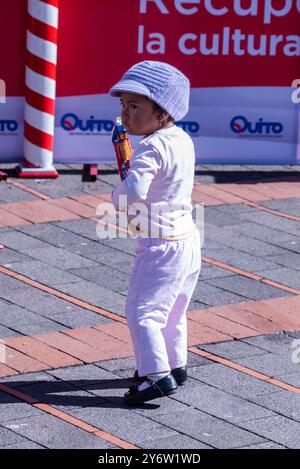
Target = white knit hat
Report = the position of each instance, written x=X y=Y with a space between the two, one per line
x=160 y=82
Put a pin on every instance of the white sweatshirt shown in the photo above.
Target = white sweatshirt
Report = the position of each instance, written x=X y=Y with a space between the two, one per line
x=159 y=185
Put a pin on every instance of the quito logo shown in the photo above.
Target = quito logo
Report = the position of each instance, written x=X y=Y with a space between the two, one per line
x=71 y=122
x=240 y=125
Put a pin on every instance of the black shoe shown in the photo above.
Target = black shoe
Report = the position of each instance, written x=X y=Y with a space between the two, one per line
x=163 y=387
x=180 y=375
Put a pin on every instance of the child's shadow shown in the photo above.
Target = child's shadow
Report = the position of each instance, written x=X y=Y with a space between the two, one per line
x=73 y=393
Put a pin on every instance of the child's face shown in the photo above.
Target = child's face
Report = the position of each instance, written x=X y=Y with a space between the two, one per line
x=138 y=114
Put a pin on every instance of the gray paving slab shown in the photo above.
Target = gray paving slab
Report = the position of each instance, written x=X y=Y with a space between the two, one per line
x=83 y=375
x=52 y=432
x=19 y=380
x=233 y=349
x=26 y=322
x=247 y=287
x=103 y=276
x=96 y=295
x=44 y=304
x=277 y=429
x=209 y=271
x=270 y=364
x=291 y=378
x=280 y=343
x=285 y=403
x=64 y=395
x=266 y=445
x=276 y=221
x=290 y=259
x=12 y=408
x=124 y=423
x=174 y=442
x=211 y=295
x=60 y=258
x=83 y=318
x=7 y=332
x=219 y=218
x=9 y=194
x=208 y=429
x=26 y=444
x=50 y=234
x=269 y=235
x=284 y=275
x=290 y=205
x=21 y=241
x=9 y=256
x=83 y=227
x=10 y=437
x=239 y=241
x=239 y=259
x=218 y=403
x=44 y=273
x=232 y=381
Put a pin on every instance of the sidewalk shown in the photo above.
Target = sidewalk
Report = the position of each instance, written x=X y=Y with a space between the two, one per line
x=68 y=356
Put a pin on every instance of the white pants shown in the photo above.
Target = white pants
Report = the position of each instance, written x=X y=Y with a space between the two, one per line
x=162 y=282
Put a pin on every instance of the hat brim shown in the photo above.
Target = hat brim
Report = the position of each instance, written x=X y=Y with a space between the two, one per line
x=129 y=86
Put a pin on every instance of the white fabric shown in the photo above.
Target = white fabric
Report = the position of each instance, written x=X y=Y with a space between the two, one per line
x=160 y=183
x=162 y=282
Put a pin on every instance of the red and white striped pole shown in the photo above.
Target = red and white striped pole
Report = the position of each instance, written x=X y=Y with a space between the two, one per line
x=40 y=81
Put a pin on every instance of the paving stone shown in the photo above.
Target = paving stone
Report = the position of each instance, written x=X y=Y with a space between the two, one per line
x=266 y=445
x=239 y=259
x=209 y=271
x=284 y=403
x=27 y=378
x=247 y=287
x=9 y=437
x=243 y=243
x=219 y=403
x=276 y=221
x=44 y=273
x=290 y=205
x=9 y=283
x=9 y=256
x=277 y=429
x=208 y=429
x=280 y=344
x=103 y=276
x=96 y=295
x=218 y=218
x=7 y=332
x=124 y=423
x=12 y=408
x=83 y=375
x=59 y=258
x=213 y=296
x=284 y=275
x=51 y=432
x=26 y=444
x=84 y=227
x=291 y=378
x=9 y=193
x=26 y=322
x=232 y=349
x=50 y=234
x=231 y=381
x=291 y=260
x=270 y=364
x=20 y=241
x=174 y=442
x=64 y=395
x=83 y=318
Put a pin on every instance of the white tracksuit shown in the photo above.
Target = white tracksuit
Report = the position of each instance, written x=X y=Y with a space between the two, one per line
x=168 y=257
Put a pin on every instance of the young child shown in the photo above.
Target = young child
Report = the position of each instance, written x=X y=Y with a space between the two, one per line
x=168 y=257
